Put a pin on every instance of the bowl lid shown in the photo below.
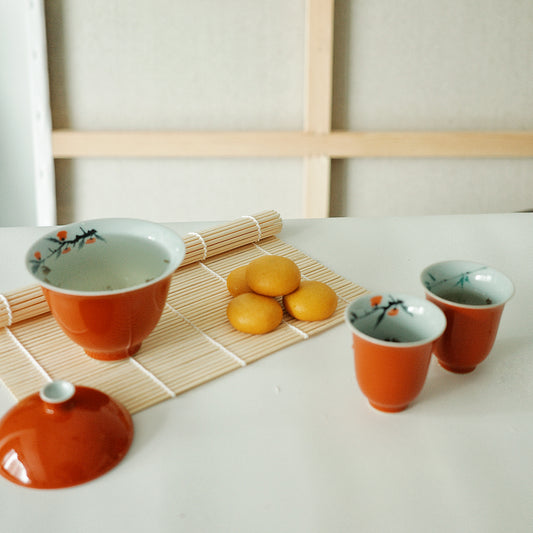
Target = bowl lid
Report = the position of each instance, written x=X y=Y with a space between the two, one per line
x=62 y=436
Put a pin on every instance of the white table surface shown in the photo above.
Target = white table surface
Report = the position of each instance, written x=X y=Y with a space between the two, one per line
x=289 y=443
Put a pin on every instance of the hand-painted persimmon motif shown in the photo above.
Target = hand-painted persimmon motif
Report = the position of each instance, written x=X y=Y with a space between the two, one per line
x=375 y=300
x=391 y=307
x=63 y=245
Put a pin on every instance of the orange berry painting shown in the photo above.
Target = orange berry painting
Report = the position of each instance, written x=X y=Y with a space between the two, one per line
x=63 y=245
x=376 y=300
x=390 y=308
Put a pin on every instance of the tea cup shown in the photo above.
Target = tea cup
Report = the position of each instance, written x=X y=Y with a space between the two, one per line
x=472 y=296
x=106 y=280
x=393 y=336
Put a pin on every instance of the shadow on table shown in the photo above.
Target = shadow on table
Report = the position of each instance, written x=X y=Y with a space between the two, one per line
x=498 y=385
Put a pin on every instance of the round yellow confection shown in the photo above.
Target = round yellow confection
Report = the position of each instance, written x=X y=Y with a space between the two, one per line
x=273 y=275
x=236 y=281
x=254 y=313
x=313 y=300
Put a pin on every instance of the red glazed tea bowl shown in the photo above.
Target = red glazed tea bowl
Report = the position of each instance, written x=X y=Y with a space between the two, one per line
x=106 y=281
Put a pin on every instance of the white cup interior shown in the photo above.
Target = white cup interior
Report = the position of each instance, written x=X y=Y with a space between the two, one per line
x=395 y=318
x=105 y=255
x=467 y=283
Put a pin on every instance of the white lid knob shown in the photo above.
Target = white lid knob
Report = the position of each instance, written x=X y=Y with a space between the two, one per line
x=57 y=391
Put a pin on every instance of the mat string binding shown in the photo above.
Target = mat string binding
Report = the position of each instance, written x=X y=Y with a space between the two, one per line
x=34 y=361
x=201 y=239
x=258 y=226
x=3 y=299
x=210 y=339
x=155 y=379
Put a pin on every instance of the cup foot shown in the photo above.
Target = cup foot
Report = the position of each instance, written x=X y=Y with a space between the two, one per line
x=387 y=409
x=457 y=369
x=114 y=356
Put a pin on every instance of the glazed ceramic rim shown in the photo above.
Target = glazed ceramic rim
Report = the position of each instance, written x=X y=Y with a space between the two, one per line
x=467 y=306
x=176 y=251
x=392 y=344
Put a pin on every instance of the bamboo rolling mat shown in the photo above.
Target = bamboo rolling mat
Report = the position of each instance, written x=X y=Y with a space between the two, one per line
x=193 y=342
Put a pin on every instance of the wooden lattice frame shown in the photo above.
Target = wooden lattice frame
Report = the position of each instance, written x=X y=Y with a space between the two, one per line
x=317 y=144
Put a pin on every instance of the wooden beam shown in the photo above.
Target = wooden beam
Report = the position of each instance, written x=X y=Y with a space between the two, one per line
x=319 y=66
x=67 y=144
x=318 y=103
x=430 y=144
x=316 y=186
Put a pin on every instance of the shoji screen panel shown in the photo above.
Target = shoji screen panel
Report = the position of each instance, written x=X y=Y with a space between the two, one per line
x=339 y=81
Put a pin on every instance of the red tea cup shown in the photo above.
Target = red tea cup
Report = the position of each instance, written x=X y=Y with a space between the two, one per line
x=472 y=296
x=393 y=335
x=106 y=281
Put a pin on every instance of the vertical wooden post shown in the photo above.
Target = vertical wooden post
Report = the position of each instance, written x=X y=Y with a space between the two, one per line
x=318 y=102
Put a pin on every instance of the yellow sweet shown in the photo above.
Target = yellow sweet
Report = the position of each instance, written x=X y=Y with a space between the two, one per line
x=273 y=275
x=313 y=300
x=236 y=281
x=254 y=313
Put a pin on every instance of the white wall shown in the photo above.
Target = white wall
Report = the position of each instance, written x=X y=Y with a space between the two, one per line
x=27 y=195
x=17 y=205
x=237 y=65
